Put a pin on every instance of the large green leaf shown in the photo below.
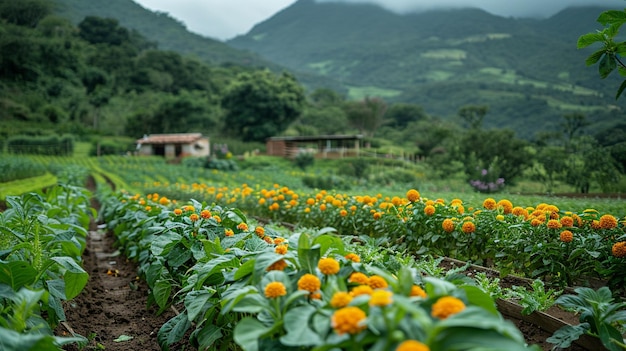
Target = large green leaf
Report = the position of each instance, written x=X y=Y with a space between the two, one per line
x=75 y=276
x=17 y=274
x=208 y=335
x=173 y=331
x=296 y=323
x=162 y=291
x=248 y=332
x=308 y=256
x=328 y=241
x=563 y=337
x=195 y=302
x=13 y=341
x=588 y=39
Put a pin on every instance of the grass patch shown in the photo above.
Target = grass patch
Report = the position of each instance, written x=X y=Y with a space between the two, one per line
x=21 y=186
x=359 y=93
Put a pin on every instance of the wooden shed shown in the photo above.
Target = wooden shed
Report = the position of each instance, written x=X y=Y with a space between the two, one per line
x=323 y=146
x=174 y=145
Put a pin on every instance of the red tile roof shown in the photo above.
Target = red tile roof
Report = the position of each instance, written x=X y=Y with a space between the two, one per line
x=179 y=138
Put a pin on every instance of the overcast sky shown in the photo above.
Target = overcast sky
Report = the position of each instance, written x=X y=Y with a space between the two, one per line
x=225 y=19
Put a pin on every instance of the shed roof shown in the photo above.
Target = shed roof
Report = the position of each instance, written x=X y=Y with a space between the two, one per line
x=177 y=138
x=317 y=137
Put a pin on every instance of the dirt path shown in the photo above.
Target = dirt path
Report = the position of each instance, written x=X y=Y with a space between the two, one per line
x=113 y=303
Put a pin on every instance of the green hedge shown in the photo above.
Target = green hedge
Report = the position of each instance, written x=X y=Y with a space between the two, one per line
x=41 y=145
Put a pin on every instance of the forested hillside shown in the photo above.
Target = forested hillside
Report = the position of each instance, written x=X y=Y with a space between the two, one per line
x=528 y=71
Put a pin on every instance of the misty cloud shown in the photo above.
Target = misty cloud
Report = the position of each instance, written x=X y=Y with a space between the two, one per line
x=506 y=8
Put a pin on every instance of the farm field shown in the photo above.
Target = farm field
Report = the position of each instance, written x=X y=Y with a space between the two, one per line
x=221 y=258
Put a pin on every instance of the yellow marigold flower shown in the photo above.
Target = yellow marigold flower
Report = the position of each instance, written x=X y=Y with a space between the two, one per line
x=194 y=217
x=448 y=225
x=619 y=249
x=148 y=208
x=279 y=240
x=489 y=203
x=578 y=220
x=242 y=226
x=595 y=224
x=359 y=278
x=566 y=236
x=459 y=208
x=343 y=213
x=417 y=290
x=361 y=290
x=262 y=201
x=381 y=298
x=229 y=232
x=447 y=306
x=307 y=210
x=353 y=257
x=274 y=206
x=377 y=282
x=279 y=265
x=519 y=211
x=353 y=208
x=323 y=207
x=281 y=249
x=468 y=227
x=536 y=222
x=412 y=345
x=309 y=282
x=413 y=195
x=315 y=296
x=340 y=299
x=142 y=202
x=567 y=221
x=328 y=265
x=456 y=201
x=608 y=222
x=164 y=201
x=500 y=217
x=506 y=205
x=217 y=219
x=275 y=289
x=268 y=239
x=349 y=320
x=554 y=224
x=377 y=215
x=189 y=208
x=310 y=201
x=178 y=211
x=260 y=231
x=429 y=210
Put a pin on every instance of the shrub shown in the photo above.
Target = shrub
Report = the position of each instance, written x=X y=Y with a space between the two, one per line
x=304 y=160
x=41 y=145
x=327 y=182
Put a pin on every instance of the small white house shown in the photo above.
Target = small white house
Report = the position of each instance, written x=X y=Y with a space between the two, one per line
x=174 y=145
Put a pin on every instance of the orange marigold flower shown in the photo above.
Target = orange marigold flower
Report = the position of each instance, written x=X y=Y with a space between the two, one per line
x=279 y=240
x=217 y=219
x=619 y=249
x=353 y=208
x=340 y=299
x=554 y=224
x=328 y=265
x=275 y=289
x=349 y=320
x=353 y=257
x=429 y=210
x=412 y=345
x=566 y=236
x=323 y=207
x=536 y=222
x=447 y=306
x=519 y=211
x=448 y=225
x=148 y=208
x=277 y=266
x=608 y=222
x=262 y=201
x=268 y=239
x=164 y=201
x=567 y=221
x=343 y=213
x=417 y=290
x=194 y=217
x=468 y=227
x=595 y=224
x=242 y=226
x=260 y=231
x=206 y=214
x=309 y=282
x=489 y=203
x=381 y=298
x=178 y=211
x=506 y=205
x=377 y=282
x=361 y=290
x=358 y=277
x=189 y=208
x=229 y=232
x=413 y=195
x=281 y=249
x=377 y=215
x=578 y=220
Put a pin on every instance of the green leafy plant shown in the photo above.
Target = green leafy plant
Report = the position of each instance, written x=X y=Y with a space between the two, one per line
x=535 y=299
x=600 y=317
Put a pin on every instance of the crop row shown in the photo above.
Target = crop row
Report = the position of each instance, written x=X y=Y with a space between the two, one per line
x=43 y=236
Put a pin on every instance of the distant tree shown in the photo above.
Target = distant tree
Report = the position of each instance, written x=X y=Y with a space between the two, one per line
x=366 y=115
x=572 y=124
x=260 y=105
x=324 y=97
x=97 y=30
x=324 y=120
x=24 y=12
x=401 y=114
x=473 y=115
x=587 y=163
x=610 y=56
